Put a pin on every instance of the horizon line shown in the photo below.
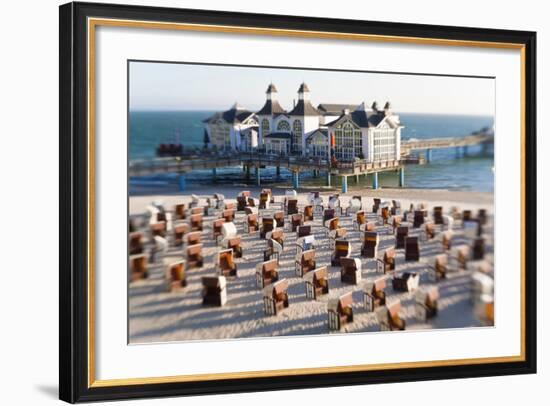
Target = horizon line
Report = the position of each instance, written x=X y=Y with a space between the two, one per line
x=169 y=110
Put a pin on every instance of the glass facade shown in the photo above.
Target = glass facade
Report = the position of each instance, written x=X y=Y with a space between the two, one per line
x=348 y=142
x=384 y=144
x=318 y=146
x=220 y=135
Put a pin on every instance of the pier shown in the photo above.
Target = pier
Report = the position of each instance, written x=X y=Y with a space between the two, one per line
x=210 y=160
x=295 y=164
x=461 y=145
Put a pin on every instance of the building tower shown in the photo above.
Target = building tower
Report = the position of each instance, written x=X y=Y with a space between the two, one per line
x=305 y=120
x=268 y=112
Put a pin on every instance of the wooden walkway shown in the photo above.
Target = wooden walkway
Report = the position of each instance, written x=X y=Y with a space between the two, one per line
x=432 y=143
x=192 y=162
x=188 y=163
x=208 y=160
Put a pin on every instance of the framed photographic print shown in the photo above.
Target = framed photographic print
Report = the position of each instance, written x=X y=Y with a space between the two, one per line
x=257 y=202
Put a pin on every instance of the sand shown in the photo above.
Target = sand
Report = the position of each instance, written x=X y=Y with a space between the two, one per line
x=156 y=315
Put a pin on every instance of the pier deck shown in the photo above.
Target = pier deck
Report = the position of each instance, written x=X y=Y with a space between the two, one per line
x=434 y=143
x=188 y=163
x=210 y=160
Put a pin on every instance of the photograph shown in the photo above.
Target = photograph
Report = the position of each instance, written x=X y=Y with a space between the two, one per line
x=274 y=201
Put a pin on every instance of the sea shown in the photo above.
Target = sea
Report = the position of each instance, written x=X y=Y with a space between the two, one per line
x=446 y=170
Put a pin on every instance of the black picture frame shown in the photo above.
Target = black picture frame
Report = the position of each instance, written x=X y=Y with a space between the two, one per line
x=74 y=382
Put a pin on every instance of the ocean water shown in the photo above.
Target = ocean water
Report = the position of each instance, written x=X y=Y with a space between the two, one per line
x=473 y=172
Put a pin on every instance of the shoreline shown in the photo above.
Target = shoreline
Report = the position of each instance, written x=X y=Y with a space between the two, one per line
x=442 y=197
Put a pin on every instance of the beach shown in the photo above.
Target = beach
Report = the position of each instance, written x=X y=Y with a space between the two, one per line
x=442 y=197
x=156 y=315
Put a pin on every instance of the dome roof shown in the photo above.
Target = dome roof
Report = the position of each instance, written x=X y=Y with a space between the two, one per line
x=271 y=88
x=303 y=88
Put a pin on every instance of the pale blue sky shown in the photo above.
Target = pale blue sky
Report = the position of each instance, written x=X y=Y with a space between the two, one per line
x=167 y=86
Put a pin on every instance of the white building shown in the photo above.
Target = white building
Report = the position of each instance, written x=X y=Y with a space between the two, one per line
x=333 y=131
x=234 y=129
x=371 y=134
x=274 y=125
x=305 y=120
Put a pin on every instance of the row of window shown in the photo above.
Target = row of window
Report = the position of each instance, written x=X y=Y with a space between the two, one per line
x=297 y=135
x=348 y=142
x=219 y=135
x=284 y=126
x=384 y=145
x=278 y=147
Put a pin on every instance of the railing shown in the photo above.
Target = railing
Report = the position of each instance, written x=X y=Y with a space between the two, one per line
x=283 y=160
x=407 y=145
x=196 y=159
x=186 y=163
x=362 y=166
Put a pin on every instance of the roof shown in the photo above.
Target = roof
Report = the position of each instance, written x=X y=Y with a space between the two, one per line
x=361 y=118
x=283 y=113
x=212 y=118
x=366 y=118
x=271 y=107
x=236 y=114
x=287 y=136
x=322 y=131
x=304 y=108
x=332 y=109
x=247 y=130
x=271 y=88
x=303 y=88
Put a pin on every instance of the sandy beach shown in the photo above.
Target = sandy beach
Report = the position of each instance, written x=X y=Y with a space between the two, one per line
x=156 y=315
x=170 y=195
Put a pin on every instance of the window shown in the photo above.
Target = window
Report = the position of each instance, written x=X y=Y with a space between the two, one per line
x=297 y=136
x=348 y=142
x=272 y=146
x=283 y=126
x=246 y=141
x=226 y=139
x=278 y=147
x=358 y=143
x=219 y=133
x=318 y=146
x=265 y=127
x=384 y=144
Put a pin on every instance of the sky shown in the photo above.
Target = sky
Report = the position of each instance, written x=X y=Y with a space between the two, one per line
x=174 y=86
